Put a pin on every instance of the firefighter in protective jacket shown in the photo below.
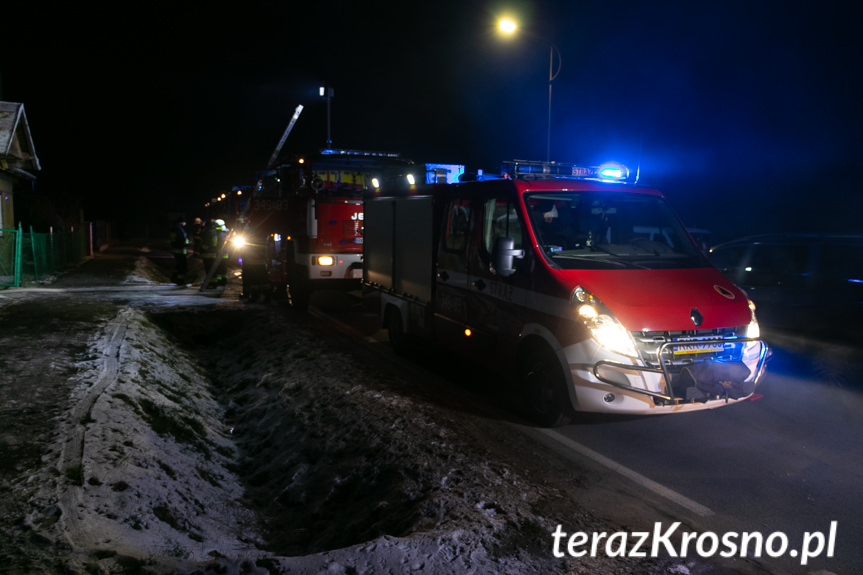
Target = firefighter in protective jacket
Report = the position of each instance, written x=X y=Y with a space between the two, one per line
x=221 y=277
x=209 y=249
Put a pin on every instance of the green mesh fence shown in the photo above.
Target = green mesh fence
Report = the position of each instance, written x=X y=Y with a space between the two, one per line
x=29 y=256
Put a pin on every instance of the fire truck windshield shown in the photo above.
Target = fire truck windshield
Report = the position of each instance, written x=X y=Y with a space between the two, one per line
x=595 y=230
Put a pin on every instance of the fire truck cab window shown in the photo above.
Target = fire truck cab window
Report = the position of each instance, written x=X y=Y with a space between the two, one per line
x=454 y=233
x=500 y=220
x=456 y=225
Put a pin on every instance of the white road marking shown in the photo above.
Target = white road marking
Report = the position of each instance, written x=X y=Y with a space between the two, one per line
x=639 y=479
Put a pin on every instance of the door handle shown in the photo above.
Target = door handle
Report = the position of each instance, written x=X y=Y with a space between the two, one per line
x=443 y=275
x=479 y=284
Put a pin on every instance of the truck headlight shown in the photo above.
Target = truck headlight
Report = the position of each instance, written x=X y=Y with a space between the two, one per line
x=753 y=329
x=604 y=328
x=239 y=241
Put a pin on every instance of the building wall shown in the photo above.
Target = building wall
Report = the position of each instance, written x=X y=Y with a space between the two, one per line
x=7 y=215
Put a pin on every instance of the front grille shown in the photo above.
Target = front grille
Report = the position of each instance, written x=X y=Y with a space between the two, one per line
x=649 y=343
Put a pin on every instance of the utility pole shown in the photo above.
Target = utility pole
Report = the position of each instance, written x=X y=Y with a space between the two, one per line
x=327 y=93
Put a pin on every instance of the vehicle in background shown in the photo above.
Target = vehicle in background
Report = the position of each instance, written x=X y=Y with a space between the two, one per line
x=582 y=289
x=808 y=289
x=303 y=226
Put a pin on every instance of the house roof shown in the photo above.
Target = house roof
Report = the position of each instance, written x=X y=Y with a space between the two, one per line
x=17 y=153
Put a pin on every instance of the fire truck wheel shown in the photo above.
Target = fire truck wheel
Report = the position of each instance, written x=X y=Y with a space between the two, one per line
x=544 y=389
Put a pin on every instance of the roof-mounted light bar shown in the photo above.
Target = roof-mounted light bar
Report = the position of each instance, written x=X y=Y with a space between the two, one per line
x=531 y=169
x=361 y=153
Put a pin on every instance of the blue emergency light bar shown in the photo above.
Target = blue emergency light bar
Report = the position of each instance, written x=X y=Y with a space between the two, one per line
x=360 y=153
x=529 y=169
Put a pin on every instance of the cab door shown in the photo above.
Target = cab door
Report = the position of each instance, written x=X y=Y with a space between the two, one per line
x=496 y=312
x=452 y=277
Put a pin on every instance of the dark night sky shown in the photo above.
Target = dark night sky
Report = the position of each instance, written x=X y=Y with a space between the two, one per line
x=747 y=113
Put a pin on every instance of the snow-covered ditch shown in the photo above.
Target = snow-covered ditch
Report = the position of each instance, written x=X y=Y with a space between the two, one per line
x=245 y=440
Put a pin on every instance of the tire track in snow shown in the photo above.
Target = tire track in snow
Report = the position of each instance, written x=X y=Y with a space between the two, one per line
x=71 y=463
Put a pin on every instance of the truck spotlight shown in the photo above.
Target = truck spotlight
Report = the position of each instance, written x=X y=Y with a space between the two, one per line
x=326 y=260
x=376 y=184
x=239 y=241
x=411 y=179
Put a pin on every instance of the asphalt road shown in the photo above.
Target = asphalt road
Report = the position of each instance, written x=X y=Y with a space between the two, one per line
x=789 y=461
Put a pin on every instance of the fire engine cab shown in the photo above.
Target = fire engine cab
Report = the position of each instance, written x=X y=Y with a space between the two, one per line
x=303 y=226
x=582 y=289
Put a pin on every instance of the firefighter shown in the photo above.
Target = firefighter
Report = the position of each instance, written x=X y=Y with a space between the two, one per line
x=209 y=249
x=221 y=277
x=179 y=246
x=197 y=240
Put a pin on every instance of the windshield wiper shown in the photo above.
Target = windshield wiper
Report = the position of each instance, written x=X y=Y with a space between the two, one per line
x=604 y=260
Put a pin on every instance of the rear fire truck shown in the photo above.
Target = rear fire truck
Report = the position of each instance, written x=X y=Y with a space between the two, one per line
x=303 y=225
x=582 y=289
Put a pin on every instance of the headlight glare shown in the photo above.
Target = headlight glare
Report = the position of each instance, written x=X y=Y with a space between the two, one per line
x=604 y=328
x=753 y=329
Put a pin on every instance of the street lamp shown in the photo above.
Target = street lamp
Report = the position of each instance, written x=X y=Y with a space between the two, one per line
x=508 y=26
x=327 y=94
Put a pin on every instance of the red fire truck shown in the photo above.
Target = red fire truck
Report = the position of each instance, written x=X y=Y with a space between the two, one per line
x=575 y=285
x=303 y=225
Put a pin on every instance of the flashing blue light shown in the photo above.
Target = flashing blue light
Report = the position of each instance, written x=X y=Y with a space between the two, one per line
x=438 y=173
x=611 y=173
x=855 y=281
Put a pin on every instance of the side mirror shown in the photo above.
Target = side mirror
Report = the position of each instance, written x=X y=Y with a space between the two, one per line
x=502 y=254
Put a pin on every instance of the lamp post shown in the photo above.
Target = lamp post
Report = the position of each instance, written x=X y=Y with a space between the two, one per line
x=327 y=94
x=508 y=26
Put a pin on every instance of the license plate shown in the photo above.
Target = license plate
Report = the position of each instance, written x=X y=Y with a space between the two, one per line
x=698 y=348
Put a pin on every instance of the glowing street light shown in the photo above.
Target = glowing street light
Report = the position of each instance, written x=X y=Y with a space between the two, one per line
x=509 y=26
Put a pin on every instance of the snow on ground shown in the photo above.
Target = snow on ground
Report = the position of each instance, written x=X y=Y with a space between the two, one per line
x=246 y=439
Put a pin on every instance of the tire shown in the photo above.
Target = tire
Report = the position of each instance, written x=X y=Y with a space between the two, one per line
x=299 y=289
x=543 y=388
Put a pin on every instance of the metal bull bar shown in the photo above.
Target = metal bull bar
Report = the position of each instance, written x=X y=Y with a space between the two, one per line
x=663 y=369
